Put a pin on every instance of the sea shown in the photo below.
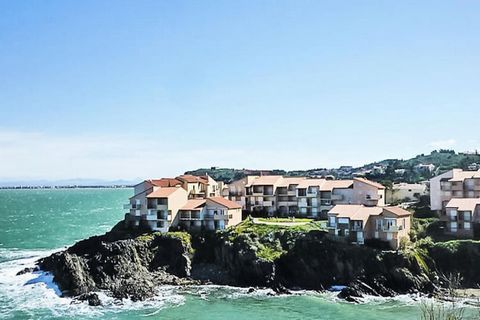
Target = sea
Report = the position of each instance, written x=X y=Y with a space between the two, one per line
x=37 y=222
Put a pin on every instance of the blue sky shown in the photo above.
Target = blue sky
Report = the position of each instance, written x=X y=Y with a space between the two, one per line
x=133 y=89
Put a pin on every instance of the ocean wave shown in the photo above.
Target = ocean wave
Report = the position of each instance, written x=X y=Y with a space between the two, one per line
x=37 y=296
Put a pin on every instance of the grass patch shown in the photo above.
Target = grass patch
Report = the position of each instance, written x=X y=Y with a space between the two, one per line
x=147 y=237
x=248 y=227
x=452 y=246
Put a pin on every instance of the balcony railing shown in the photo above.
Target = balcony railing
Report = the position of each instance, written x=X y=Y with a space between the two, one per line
x=132 y=206
x=267 y=203
x=392 y=229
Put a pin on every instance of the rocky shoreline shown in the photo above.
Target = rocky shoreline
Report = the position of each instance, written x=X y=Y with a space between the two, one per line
x=133 y=264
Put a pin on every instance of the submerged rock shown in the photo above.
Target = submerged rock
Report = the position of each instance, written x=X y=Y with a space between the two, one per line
x=27 y=270
x=92 y=299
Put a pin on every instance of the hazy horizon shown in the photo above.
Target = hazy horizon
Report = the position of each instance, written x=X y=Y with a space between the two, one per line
x=127 y=90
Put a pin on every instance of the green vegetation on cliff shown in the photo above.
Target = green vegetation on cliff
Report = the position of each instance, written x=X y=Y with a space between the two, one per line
x=270 y=241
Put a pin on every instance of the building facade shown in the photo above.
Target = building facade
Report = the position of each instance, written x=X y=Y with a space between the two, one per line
x=357 y=223
x=156 y=203
x=453 y=184
x=462 y=217
x=306 y=197
x=406 y=192
x=216 y=213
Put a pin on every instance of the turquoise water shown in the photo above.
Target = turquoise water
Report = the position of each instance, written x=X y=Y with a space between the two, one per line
x=34 y=223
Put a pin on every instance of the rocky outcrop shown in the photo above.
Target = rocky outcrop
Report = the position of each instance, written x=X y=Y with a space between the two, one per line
x=315 y=262
x=132 y=264
x=128 y=268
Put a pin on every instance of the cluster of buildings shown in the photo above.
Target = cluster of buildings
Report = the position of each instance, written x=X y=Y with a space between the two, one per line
x=188 y=202
x=455 y=196
x=355 y=209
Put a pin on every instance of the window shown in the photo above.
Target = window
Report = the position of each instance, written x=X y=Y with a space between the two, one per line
x=467 y=226
x=467 y=216
x=389 y=236
x=331 y=221
x=453 y=226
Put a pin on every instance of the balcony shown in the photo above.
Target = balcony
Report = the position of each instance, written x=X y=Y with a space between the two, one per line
x=268 y=203
x=337 y=197
x=291 y=193
x=190 y=216
x=286 y=203
x=392 y=229
x=150 y=217
x=446 y=186
x=137 y=213
x=457 y=186
x=132 y=206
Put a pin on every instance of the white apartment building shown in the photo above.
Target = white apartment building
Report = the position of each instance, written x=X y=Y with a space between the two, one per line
x=455 y=183
x=406 y=192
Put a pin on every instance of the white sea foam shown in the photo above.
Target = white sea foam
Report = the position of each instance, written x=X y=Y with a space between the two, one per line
x=35 y=293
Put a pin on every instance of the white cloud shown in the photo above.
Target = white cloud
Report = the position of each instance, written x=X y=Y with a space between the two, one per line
x=443 y=144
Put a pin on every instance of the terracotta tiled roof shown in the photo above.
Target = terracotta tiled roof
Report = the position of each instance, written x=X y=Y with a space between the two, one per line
x=329 y=185
x=225 y=202
x=164 y=182
x=464 y=204
x=266 y=180
x=460 y=175
x=399 y=212
x=163 y=192
x=355 y=212
x=310 y=183
x=285 y=182
x=372 y=183
x=194 y=204
x=193 y=179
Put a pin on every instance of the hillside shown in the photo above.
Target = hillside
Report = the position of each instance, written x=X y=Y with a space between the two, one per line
x=385 y=171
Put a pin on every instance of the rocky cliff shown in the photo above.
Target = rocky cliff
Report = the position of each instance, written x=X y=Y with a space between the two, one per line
x=132 y=264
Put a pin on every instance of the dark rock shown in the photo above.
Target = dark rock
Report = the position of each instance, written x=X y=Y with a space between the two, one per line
x=92 y=299
x=27 y=270
x=128 y=265
x=130 y=268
